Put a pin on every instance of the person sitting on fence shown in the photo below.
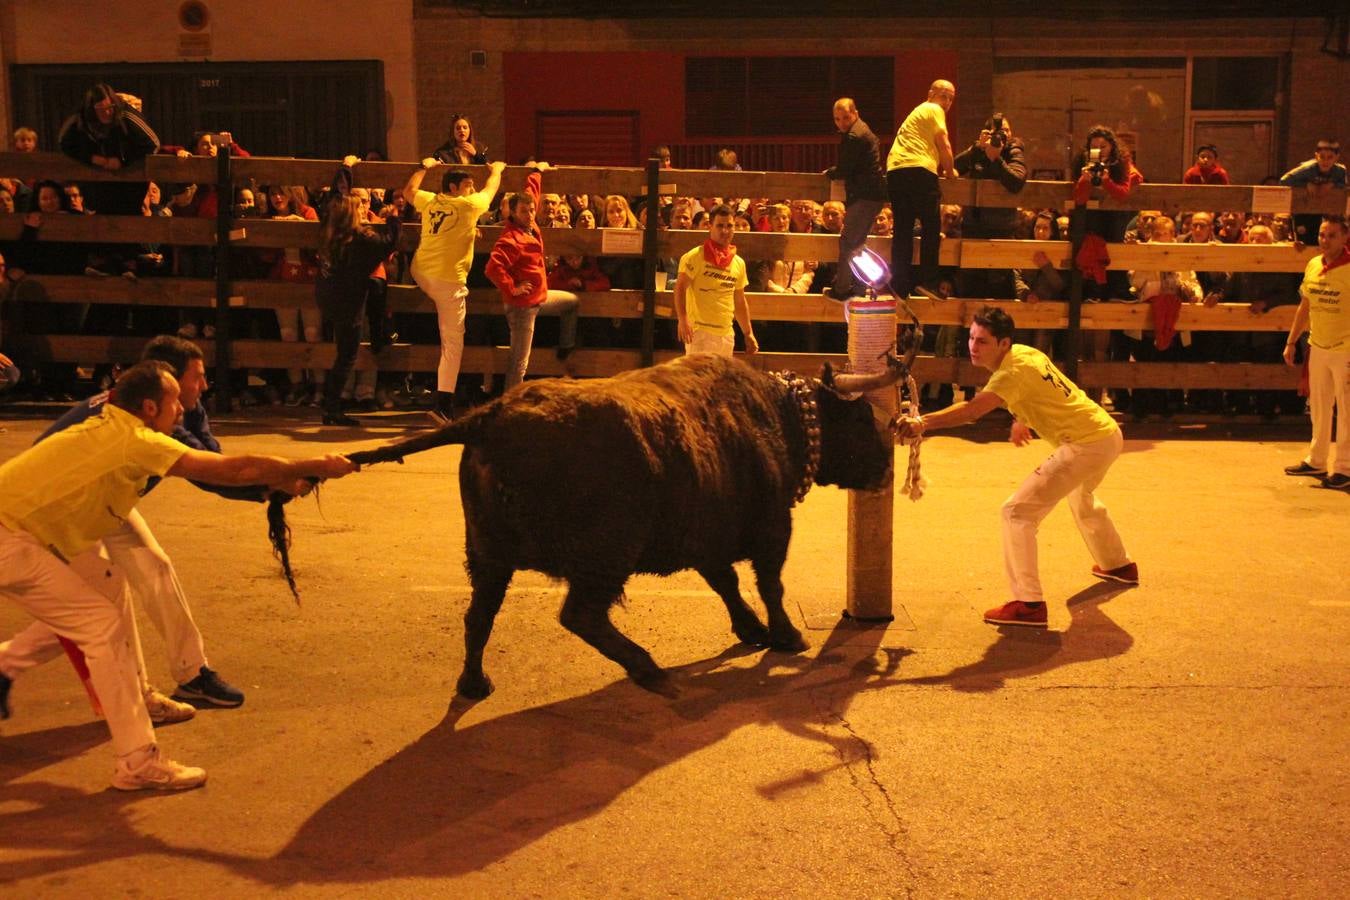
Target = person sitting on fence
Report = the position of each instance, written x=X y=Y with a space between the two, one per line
x=516 y=267
x=710 y=293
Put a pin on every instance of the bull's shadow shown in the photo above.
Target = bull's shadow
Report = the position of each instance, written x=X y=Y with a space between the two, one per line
x=1024 y=652
x=458 y=799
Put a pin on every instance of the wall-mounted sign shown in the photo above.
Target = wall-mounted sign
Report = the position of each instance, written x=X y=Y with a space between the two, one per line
x=195 y=21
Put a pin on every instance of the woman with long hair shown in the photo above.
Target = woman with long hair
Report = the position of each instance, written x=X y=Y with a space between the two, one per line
x=461 y=149
x=349 y=252
x=108 y=132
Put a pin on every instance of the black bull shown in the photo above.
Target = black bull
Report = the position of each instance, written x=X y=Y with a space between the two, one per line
x=695 y=464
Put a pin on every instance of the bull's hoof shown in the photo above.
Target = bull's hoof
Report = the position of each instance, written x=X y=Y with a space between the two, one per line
x=657 y=682
x=473 y=688
x=788 y=643
x=756 y=635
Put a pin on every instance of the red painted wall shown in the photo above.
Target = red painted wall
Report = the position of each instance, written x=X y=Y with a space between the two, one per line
x=653 y=84
x=914 y=72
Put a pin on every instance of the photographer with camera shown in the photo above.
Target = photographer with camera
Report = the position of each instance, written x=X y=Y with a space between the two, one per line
x=996 y=155
x=1101 y=165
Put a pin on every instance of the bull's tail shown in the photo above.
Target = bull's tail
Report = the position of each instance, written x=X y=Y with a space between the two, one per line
x=456 y=432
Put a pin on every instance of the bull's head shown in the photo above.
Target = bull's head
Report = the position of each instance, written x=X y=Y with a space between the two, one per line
x=855 y=446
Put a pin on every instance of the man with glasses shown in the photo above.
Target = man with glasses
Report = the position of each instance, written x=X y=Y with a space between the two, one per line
x=1317 y=176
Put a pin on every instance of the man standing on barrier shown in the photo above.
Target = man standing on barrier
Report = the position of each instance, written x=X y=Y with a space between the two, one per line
x=996 y=156
x=1086 y=441
x=859 y=167
x=441 y=265
x=920 y=155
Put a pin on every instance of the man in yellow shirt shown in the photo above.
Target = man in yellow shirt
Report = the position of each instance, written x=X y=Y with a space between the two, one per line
x=710 y=291
x=920 y=154
x=441 y=265
x=1086 y=441
x=1324 y=311
x=60 y=497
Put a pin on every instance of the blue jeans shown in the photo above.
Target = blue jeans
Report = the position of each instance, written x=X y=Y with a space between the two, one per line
x=521 y=321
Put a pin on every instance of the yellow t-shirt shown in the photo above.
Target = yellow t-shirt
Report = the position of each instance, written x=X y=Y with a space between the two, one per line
x=1328 y=294
x=1039 y=395
x=710 y=300
x=78 y=485
x=449 y=226
x=915 y=145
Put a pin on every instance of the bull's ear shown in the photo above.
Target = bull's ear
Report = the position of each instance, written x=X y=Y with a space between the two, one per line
x=827 y=376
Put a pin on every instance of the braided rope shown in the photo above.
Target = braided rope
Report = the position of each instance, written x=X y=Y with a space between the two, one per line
x=914 y=481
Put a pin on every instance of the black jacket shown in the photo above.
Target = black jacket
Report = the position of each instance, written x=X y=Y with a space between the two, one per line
x=860 y=164
x=1009 y=169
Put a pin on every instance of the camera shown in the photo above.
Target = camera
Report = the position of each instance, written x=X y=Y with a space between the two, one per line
x=1096 y=168
x=996 y=136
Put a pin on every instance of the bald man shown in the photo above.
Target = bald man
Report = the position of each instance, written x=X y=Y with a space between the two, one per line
x=920 y=155
x=859 y=167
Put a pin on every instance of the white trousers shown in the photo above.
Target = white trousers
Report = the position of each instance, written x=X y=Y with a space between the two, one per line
x=449 y=298
x=1329 y=386
x=1073 y=471
x=95 y=613
x=138 y=559
x=711 y=342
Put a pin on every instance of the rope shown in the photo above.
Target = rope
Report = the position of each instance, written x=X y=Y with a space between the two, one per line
x=915 y=483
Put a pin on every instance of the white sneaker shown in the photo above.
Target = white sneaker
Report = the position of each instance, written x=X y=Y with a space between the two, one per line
x=157 y=772
x=166 y=710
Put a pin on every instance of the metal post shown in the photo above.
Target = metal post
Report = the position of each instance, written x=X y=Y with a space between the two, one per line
x=871 y=330
x=651 y=237
x=224 y=207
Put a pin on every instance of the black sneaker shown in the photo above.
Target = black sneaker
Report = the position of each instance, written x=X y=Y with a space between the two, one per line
x=208 y=690
x=1337 y=482
x=1305 y=468
x=5 y=682
x=340 y=419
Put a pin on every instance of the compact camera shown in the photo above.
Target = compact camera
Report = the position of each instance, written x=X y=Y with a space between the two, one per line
x=1096 y=168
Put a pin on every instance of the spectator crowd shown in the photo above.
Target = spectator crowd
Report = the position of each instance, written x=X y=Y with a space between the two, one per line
x=109 y=132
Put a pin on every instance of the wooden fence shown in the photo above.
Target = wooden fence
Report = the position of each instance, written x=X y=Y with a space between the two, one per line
x=648 y=305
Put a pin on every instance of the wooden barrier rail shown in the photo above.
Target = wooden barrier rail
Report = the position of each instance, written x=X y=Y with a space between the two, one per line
x=649 y=304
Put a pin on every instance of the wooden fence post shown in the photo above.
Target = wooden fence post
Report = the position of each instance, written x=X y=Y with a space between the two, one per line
x=224 y=209
x=1073 y=338
x=651 y=238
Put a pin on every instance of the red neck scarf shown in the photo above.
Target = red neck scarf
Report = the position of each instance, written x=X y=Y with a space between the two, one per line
x=718 y=255
x=1343 y=259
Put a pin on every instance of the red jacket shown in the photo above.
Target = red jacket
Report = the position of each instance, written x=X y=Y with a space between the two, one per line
x=1197 y=175
x=518 y=256
x=586 y=278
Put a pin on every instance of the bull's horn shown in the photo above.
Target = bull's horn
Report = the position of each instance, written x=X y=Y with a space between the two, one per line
x=858 y=384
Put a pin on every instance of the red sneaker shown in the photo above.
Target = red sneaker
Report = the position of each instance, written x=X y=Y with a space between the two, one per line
x=1126 y=574
x=1016 y=612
